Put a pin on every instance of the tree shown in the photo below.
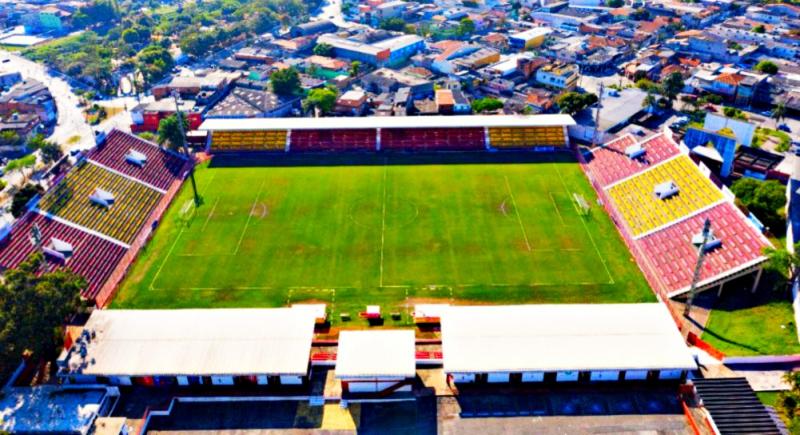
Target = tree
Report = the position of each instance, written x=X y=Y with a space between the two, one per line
x=355 y=67
x=785 y=264
x=671 y=87
x=322 y=99
x=486 y=104
x=759 y=28
x=788 y=403
x=130 y=36
x=466 y=27
x=35 y=303
x=169 y=131
x=395 y=24
x=779 y=112
x=285 y=81
x=10 y=137
x=21 y=164
x=50 y=152
x=155 y=62
x=615 y=3
x=733 y=112
x=650 y=101
x=765 y=199
x=323 y=49
x=767 y=67
x=573 y=102
x=22 y=197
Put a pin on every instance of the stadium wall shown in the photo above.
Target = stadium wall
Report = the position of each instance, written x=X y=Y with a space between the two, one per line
x=109 y=289
x=474 y=138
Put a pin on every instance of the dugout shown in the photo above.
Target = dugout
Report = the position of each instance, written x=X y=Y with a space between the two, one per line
x=564 y=343
x=188 y=347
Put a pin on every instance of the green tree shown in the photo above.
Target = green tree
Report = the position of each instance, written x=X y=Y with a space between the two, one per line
x=759 y=28
x=169 y=131
x=778 y=112
x=466 y=27
x=50 y=152
x=765 y=199
x=35 y=303
x=733 y=112
x=130 y=36
x=788 y=403
x=355 y=68
x=10 y=137
x=285 y=81
x=785 y=264
x=155 y=62
x=573 y=102
x=486 y=104
x=767 y=67
x=615 y=3
x=323 y=99
x=323 y=49
x=22 y=197
x=671 y=87
x=395 y=24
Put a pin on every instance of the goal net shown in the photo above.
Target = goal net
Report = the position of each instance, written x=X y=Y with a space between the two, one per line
x=581 y=204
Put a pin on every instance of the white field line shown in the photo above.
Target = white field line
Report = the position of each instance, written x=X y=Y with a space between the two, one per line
x=249 y=217
x=589 y=233
x=211 y=213
x=553 y=200
x=383 y=223
x=516 y=210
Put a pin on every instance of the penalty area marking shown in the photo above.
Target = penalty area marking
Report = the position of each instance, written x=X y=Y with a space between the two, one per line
x=589 y=233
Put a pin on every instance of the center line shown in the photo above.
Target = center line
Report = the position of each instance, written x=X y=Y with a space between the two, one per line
x=516 y=210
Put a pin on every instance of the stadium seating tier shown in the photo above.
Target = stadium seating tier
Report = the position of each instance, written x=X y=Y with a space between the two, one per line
x=609 y=163
x=161 y=169
x=94 y=258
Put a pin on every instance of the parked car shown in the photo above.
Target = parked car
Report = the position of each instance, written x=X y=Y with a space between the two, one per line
x=784 y=127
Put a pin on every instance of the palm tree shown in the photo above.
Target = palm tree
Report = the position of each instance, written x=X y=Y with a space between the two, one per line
x=649 y=102
x=779 y=112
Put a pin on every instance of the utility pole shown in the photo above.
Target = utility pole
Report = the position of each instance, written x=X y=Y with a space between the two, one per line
x=36 y=237
x=597 y=115
x=179 y=116
x=701 y=255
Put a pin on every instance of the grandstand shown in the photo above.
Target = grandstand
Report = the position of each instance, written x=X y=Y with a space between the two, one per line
x=132 y=201
x=672 y=251
x=159 y=168
x=611 y=162
x=90 y=256
x=659 y=199
x=93 y=217
x=436 y=133
x=642 y=208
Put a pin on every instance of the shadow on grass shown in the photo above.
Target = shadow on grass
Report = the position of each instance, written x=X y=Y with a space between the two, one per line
x=258 y=159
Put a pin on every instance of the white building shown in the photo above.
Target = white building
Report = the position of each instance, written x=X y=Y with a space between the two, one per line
x=563 y=343
x=192 y=347
x=376 y=361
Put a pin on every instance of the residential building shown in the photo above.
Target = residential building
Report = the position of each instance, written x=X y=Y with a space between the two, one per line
x=29 y=96
x=352 y=103
x=558 y=76
x=528 y=39
x=388 y=80
x=252 y=103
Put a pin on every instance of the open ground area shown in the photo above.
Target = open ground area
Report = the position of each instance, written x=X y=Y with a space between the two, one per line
x=356 y=230
x=745 y=324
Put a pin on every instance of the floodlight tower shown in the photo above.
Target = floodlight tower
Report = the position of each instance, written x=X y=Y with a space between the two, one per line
x=701 y=255
x=179 y=117
x=597 y=115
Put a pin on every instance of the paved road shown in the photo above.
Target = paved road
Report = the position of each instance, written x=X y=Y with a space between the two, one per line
x=71 y=122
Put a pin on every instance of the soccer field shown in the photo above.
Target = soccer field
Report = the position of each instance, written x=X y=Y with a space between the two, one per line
x=389 y=231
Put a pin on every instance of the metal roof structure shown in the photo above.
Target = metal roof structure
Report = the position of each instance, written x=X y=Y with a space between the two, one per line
x=734 y=407
x=258 y=124
x=562 y=337
x=371 y=354
x=194 y=342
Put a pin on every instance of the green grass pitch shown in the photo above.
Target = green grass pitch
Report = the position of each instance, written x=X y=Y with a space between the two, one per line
x=389 y=231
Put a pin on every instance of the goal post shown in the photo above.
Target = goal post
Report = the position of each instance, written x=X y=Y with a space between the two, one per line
x=186 y=212
x=581 y=205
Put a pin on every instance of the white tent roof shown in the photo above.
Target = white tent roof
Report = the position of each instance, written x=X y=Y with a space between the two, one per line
x=206 y=342
x=251 y=124
x=564 y=337
x=370 y=354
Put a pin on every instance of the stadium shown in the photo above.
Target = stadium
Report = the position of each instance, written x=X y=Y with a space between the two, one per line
x=392 y=212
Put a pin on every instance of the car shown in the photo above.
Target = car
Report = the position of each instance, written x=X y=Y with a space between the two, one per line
x=784 y=127
x=6 y=60
x=767 y=113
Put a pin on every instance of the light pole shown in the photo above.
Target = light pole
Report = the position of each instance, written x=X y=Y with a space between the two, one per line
x=179 y=117
x=701 y=255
